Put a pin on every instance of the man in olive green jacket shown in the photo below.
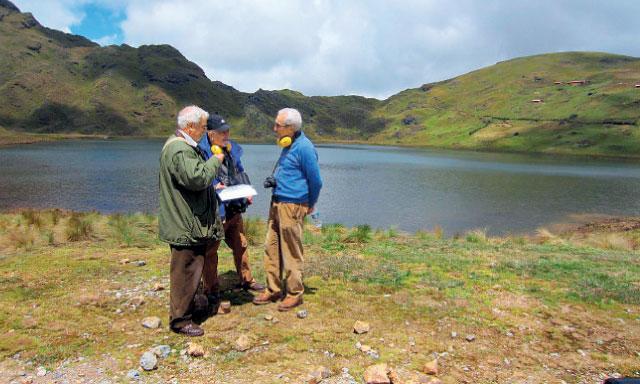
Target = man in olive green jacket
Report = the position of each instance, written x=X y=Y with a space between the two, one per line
x=188 y=217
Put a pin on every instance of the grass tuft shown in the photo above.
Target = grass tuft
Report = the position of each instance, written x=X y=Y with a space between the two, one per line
x=79 y=227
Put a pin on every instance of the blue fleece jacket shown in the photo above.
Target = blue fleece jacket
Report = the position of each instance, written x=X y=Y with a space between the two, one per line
x=236 y=153
x=298 y=174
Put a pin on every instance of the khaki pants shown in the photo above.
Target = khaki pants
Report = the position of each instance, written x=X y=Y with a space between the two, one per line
x=184 y=277
x=283 y=248
x=237 y=241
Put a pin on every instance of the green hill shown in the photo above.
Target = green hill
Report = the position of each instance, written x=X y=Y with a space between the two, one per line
x=526 y=104
x=51 y=81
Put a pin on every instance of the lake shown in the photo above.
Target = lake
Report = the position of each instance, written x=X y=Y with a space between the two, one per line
x=409 y=189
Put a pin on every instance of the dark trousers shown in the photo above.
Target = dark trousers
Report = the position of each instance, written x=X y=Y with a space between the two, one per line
x=184 y=276
x=237 y=241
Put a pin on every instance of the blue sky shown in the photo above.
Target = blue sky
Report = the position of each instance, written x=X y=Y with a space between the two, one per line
x=100 y=23
x=335 y=47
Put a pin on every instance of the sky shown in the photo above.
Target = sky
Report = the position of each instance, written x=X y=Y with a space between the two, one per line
x=371 y=48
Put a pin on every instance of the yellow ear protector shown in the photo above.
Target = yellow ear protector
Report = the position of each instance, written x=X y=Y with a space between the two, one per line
x=285 y=141
x=216 y=149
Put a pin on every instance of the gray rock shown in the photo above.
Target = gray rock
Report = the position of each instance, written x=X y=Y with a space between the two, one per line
x=152 y=322
x=149 y=361
x=470 y=338
x=302 y=314
x=41 y=371
x=454 y=334
x=133 y=374
x=162 y=351
x=141 y=263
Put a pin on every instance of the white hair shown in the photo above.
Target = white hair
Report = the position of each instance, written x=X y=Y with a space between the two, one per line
x=292 y=118
x=191 y=114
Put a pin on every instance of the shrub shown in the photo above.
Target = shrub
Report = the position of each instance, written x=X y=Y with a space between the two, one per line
x=476 y=236
x=360 y=234
x=32 y=218
x=79 y=227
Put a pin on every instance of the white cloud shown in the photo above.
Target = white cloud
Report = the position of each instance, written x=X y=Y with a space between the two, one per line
x=107 y=40
x=56 y=14
x=367 y=47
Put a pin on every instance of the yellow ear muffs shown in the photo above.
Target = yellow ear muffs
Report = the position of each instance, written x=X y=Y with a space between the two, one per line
x=285 y=142
x=216 y=149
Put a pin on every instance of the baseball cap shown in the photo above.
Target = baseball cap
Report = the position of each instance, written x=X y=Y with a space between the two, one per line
x=216 y=123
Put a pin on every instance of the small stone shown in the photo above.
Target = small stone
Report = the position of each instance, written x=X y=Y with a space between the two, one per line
x=243 y=343
x=365 y=348
x=137 y=301
x=158 y=287
x=148 y=361
x=41 y=371
x=454 y=334
x=268 y=317
x=358 y=345
x=124 y=261
x=224 y=307
x=152 y=322
x=470 y=338
x=361 y=327
x=133 y=374
x=162 y=351
x=141 y=263
x=319 y=374
x=509 y=334
x=431 y=368
x=377 y=374
x=302 y=314
x=581 y=352
x=195 y=350
x=275 y=320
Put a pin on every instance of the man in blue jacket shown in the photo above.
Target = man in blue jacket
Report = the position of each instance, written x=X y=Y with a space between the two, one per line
x=231 y=172
x=296 y=191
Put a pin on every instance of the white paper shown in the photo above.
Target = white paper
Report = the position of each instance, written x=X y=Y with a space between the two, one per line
x=237 y=192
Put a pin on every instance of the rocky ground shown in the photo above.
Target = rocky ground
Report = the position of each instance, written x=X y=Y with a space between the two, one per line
x=380 y=307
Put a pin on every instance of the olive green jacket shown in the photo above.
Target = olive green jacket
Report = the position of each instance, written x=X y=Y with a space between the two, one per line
x=188 y=204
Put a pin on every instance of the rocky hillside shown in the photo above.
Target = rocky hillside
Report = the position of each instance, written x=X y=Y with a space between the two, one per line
x=572 y=103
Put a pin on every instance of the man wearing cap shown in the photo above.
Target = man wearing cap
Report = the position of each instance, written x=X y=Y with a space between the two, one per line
x=188 y=217
x=296 y=191
x=231 y=172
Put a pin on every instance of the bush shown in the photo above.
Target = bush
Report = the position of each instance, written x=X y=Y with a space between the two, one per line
x=79 y=227
x=360 y=234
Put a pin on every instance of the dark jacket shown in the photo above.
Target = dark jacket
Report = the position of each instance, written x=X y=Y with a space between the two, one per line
x=188 y=206
x=231 y=167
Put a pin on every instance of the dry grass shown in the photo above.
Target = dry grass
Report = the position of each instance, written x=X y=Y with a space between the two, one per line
x=523 y=300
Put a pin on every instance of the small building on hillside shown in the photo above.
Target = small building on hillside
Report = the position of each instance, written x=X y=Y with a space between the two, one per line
x=638 y=85
x=577 y=82
x=537 y=101
x=558 y=82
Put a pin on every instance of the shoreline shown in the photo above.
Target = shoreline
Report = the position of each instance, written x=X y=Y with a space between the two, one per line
x=7 y=139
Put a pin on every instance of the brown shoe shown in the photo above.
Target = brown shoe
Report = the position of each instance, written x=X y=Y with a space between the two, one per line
x=266 y=297
x=289 y=302
x=253 y=286
x=190 y=329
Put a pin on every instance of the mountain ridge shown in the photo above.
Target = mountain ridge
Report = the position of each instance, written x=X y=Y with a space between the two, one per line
x=52 y=82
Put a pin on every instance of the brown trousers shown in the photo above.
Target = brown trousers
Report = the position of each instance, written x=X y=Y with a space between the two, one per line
x=184 y=277
x=283 y=248
x=237 y=241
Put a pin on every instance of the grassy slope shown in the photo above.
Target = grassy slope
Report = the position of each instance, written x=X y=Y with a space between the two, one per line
x=491 y=108
x=535 y=307
x=55 y=82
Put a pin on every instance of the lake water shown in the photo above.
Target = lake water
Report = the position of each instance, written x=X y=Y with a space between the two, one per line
x=410 y=189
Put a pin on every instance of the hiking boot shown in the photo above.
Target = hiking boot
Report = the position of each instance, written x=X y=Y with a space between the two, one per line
x=266 y=297
x=252 y=286
x=290 y=302
x=190 y=329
